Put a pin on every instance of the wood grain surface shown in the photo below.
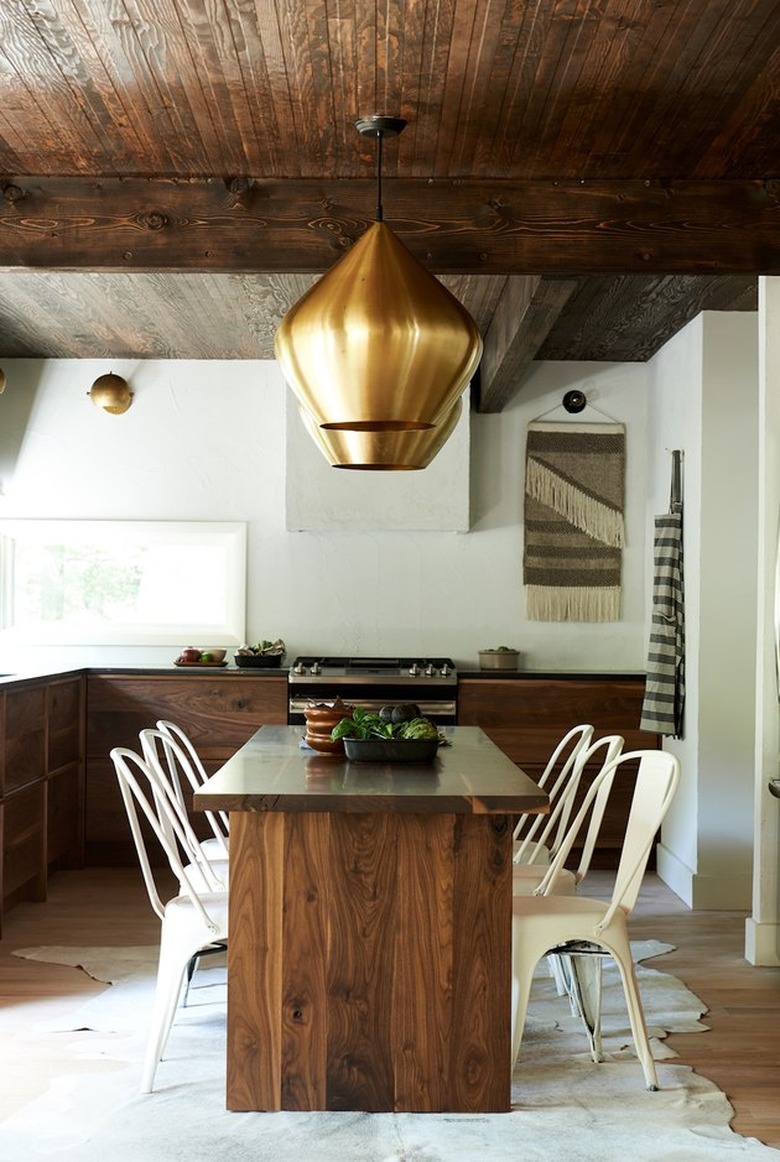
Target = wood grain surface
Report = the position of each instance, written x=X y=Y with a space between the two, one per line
x=369 y=964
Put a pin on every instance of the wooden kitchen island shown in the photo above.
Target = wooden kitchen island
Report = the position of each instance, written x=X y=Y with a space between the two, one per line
x=369 y=959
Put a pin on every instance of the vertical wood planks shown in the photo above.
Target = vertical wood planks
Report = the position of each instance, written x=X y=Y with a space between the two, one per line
x=255 y=961
x=369 y=962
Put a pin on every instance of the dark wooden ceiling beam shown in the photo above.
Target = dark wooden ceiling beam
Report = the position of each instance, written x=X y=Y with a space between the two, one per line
x=455 y=227
x=526 y=312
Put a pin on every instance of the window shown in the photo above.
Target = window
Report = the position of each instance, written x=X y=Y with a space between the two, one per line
x=123 y=582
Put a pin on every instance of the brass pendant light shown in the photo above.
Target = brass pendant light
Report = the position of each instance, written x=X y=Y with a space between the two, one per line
x=387 y=451
x=378 y=345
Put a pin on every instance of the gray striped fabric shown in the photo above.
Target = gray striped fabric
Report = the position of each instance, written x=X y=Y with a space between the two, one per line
x=664 y=701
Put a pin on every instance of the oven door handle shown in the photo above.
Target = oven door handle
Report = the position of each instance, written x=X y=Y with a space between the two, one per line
x=428 y=708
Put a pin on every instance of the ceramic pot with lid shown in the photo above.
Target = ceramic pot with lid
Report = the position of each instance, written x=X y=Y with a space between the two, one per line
x=320 y=720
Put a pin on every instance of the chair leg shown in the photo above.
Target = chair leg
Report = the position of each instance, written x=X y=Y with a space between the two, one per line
x=584 y=978
x=170 y=976
x=522 y=979
x=621 y=951
x=558 y=973
x=192 y=964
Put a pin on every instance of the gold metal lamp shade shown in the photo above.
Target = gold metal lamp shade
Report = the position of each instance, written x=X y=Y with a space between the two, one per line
x=382 y=451
x=378 y=344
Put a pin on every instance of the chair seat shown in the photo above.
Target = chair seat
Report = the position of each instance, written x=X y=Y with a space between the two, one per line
x=583 y=910
x=526 y=877
x=181 y=915
x=220 y=868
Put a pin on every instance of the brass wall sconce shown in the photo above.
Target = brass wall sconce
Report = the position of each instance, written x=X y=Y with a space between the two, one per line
x=379 y=348
x=2 y=381
x=111 y=393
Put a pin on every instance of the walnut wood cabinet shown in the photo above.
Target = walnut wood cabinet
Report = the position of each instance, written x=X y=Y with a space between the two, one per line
x=41 y=783
x=219 y=712
x=528 y=715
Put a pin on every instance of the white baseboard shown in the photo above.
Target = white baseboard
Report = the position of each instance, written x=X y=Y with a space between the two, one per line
x=675 y=874
x=762 y=942
x=726 y=893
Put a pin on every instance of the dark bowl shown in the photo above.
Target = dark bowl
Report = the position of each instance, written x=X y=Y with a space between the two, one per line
x=391 y=750
x=258 y=661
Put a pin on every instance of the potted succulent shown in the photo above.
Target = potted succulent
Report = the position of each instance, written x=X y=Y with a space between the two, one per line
x=263 y=654
x=500 y=658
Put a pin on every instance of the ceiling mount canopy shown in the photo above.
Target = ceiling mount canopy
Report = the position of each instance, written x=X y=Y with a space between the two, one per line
x=378 y=344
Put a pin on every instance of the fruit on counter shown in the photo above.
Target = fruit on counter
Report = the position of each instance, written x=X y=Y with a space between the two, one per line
x=406 y=711
x=366 y=724
x=206 y=657
x=190 y=654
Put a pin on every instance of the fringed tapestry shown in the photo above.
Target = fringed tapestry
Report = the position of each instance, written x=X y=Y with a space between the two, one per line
x=574 y=533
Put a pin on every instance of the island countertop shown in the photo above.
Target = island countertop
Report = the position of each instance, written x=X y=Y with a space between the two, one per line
x=274 y=772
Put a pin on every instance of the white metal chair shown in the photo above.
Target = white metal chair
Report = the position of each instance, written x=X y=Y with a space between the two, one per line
x=193 y=922
x=546 y=922
x=172 y=764
x=533 y=833
x=184 y=759
x=527 y=876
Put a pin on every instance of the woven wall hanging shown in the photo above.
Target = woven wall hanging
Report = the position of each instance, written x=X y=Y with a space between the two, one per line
x=574 y=531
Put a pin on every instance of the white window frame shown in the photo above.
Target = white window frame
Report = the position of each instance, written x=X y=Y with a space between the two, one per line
x=227 y=539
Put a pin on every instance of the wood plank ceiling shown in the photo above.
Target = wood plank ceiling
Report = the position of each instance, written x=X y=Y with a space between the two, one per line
x=585 y=175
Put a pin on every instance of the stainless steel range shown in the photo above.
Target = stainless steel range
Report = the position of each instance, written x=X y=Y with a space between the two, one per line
x=431 y=683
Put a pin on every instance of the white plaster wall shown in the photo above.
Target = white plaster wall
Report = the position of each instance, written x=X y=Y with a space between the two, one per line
x=206 y=441
x=705 y=395
x=763 y=926
x=674 y=421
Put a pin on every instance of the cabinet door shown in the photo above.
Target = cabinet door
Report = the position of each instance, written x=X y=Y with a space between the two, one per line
x=64 y=722
x=528 y=717
x=219 y=712
x=24 y=857
x=25 y=736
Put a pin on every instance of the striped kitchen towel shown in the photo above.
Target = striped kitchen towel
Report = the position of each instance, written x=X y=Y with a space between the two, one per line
x=574 y=483
x=664 y=701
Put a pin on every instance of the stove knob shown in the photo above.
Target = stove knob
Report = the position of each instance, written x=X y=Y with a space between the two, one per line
x=299 y=668
x=414 y=669
x=445 y=670
x=429 y=670
x=316 y=668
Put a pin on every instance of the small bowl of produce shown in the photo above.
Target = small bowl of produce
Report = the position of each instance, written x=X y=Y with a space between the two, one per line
x=397 y=734
x=213 y=654
x=264 y=655
x=500 y=658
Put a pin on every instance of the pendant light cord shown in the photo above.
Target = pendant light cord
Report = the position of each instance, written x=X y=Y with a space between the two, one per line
x=379 y=211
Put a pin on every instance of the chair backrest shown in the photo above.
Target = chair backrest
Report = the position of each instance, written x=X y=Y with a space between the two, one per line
x=612 y=746
x=560 y=779
x=657 y=779
x=146 y=797
x=168 y=747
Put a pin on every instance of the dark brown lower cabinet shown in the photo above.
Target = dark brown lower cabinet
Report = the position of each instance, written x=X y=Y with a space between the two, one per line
x=219 y=713
x=527 y=717
x=41 y=783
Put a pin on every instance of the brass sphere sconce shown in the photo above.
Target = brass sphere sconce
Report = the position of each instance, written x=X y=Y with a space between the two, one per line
x=111 y=393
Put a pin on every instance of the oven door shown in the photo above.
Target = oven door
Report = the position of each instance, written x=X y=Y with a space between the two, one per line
x=442 y=711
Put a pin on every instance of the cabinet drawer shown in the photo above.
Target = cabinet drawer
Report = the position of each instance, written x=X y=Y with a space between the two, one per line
x=219 y=714
x=527 y=718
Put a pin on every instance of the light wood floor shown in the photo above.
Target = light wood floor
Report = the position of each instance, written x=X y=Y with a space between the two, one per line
x=741 y=1053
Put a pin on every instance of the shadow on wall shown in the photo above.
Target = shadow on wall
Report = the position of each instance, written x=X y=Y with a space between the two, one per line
x=16 y=405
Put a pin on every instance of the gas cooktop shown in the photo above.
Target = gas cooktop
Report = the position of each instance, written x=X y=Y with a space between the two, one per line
x=371 y=669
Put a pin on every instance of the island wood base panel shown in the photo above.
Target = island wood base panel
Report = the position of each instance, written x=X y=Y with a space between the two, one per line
x=369 y=962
